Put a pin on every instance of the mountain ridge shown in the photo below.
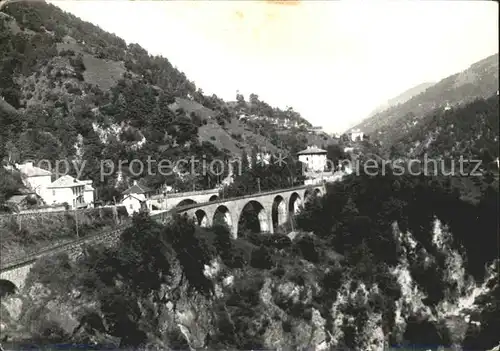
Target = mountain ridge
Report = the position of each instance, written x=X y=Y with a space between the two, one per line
x=479 y=80
x=402 y=97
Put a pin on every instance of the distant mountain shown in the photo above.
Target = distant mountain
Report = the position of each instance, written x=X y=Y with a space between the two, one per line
x=403 y=97
x=480 y=80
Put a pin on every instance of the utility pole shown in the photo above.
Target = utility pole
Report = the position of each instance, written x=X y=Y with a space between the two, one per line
x=76 y=218
x=258 y=184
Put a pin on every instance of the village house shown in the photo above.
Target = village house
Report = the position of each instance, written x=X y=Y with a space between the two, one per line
x=88 y=192
x=137 y=197
x=314 y=158
x=66 y=189
x=77 y=194
x=35 y=178
x=315 y=130
x=356 y=135
x=134 y=203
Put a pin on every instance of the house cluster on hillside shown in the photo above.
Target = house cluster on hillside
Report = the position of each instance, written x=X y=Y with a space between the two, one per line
x=43 y=193
x=315 y=130
x=284 y=123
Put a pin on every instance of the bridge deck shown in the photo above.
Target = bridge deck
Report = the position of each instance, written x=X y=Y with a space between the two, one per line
x=249 y=196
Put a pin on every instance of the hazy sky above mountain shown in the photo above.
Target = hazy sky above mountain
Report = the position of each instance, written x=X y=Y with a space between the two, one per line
x=334 y=62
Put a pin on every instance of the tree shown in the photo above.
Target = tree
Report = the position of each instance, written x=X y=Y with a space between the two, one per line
x=191 y=253
x=334 y=154
x=240 y=100
x=245 y=165
x=10 y=183
x=197 y=121
x=423 y=332
x=254 y=99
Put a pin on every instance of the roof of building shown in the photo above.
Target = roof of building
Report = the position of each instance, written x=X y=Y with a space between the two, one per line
x=29 y=170
x=137 y=189
x=312 y=150
x=17 y=199
x=138 y=197
x=66 y=181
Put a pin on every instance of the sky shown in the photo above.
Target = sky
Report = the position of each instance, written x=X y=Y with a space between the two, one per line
x=332 y=61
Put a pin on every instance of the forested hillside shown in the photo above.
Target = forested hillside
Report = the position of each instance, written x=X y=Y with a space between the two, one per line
x=480 y=80
x=379 y=262
x=72 y=91
x=470 y=133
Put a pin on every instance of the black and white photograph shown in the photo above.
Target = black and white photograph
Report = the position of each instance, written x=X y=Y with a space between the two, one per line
x=242 y=175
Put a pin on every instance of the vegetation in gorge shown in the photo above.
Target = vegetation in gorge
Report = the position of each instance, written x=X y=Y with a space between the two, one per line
x=354 y=247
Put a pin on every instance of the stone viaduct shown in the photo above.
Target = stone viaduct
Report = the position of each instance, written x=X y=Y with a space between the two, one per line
x=272 y=209
x=169 y=201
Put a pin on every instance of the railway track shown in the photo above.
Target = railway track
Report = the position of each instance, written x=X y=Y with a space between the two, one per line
x=68 y=246
x=77 y=243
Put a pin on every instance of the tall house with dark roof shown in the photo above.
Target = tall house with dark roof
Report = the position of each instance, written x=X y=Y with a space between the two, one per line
x=314 y=158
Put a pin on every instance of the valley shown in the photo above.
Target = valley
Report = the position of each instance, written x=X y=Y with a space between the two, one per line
x=138 y=212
